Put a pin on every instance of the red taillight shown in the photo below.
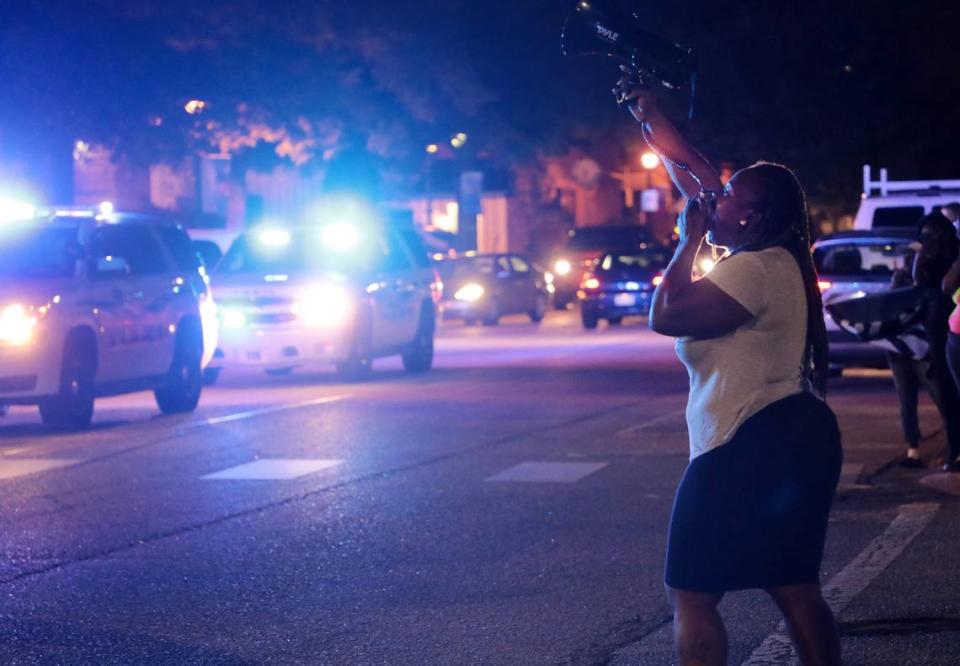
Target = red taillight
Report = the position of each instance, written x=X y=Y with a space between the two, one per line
x=589 y=281
x=824 y=285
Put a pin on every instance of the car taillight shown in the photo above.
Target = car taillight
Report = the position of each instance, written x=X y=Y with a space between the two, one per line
x=436 y=287
x=589 y=281
x=824 y=285
x=657 y=279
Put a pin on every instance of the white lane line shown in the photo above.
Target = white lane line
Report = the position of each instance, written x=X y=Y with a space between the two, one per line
x=946 y=482
x=854 y=578
x=240 y=416
x=14 y=467
x=272 y=469
x=547 y=472
x=652 y=422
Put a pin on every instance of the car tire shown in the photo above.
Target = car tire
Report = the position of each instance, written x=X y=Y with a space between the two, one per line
x=419 y=356
x=72 y=407
x=493 y=317
x=359 y=364
x=539 y=309
x=211 y=376
x=185 y=377
x=615 y=321
x=589 y=320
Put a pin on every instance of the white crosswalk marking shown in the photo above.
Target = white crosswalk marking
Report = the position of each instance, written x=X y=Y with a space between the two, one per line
x=272 y=469
x=11 y=468
x=548 y=472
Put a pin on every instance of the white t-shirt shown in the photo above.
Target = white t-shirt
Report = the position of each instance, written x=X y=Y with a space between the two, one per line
x=736 y=375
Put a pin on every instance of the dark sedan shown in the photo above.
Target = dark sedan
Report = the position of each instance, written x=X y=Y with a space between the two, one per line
x=620 y=284
x=485 y=287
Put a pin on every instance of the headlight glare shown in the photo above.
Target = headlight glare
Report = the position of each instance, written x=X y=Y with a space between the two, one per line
x=469 y=292
x=16 y=326
x=562 y=267
x=323 y=306
x=233 y=318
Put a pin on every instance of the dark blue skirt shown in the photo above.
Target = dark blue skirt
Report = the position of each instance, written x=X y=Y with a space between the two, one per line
x=753 y=512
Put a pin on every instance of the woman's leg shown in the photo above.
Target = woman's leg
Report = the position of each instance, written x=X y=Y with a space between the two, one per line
x=810 y=622
x=906 y=382
x=699 y=634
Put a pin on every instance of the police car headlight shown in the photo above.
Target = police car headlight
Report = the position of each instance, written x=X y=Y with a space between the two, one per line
x=233 y=318
x=17 y=326
x=562 y=267
x=324 y=306
x=469 y=293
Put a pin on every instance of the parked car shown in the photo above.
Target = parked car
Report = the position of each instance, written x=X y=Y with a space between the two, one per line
x=96 y=303
x=852 y=264
x=621 y=284
x=582 y=248
x=485 y=287
x=339 y=293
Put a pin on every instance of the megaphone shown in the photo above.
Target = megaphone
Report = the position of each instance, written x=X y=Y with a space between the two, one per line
x=598 y=27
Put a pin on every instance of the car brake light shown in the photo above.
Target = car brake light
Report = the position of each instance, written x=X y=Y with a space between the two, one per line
x=589 y=281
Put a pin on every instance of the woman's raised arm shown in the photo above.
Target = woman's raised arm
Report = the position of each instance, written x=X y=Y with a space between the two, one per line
x=666 y=140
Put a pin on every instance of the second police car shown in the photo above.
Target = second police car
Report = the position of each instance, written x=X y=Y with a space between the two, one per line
x=343 y=292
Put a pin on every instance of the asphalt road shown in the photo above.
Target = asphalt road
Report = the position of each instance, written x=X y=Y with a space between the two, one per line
x=509 y=507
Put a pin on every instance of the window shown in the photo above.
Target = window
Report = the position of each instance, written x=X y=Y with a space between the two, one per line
x=183 y=251
x=861 y=260
x=897 y=216
x=44 y=252
x=503 y=265
x=134 y=243
x=519 y=265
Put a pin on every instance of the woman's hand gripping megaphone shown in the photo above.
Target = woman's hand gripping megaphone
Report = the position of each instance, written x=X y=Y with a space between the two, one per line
x=634 y=93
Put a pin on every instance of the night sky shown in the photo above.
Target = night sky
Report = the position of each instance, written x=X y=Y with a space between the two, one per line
x=822 y=86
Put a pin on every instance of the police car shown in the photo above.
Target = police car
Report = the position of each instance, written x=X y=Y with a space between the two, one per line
x=339 y=292
x=95 y=303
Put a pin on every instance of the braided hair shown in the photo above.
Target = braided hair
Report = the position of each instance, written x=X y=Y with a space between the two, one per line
x=786 y=224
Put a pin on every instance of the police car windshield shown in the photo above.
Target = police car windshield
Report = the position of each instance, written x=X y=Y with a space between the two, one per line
x=38 y=253
x=292 y=255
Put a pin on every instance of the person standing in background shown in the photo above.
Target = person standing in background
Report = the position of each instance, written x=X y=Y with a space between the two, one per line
x=952 y=212
x=939 y=251
x=951 y=288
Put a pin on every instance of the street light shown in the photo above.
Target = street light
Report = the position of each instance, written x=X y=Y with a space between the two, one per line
x=649 y=160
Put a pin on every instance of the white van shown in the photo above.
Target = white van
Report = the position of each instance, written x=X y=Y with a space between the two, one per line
x=899 y=204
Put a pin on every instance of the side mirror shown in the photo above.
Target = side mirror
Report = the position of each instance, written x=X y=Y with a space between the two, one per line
x=110 y=266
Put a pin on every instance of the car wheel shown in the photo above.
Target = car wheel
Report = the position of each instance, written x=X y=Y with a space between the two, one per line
x=419 y=356
x=72 y=407
x=493 y=317
x=185 y=377
x=589 y=320
x=359 y=364
x=539 y=309
x=211 y=376
x=615 y=321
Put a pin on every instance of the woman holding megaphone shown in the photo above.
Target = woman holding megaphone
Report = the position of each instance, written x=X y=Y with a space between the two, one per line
x=751 y=510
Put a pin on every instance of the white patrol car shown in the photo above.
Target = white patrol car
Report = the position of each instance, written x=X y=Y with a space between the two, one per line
x=339 y=293
x=95 y=303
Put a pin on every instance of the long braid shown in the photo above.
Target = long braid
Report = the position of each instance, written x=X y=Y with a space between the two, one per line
x=787 y=224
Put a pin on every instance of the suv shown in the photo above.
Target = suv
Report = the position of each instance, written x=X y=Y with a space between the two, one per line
x=584 y=246
x=899 y=204
x=94 y=303
x=341 y=292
